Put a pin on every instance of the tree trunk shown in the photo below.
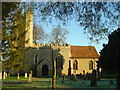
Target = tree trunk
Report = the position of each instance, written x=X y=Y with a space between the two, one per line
x=118 y=81
x=54 y=75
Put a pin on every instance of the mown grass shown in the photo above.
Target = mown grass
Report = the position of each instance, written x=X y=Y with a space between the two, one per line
x=13 y=82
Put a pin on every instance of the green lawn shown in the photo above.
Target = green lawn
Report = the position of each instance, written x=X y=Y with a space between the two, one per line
x=13 y=82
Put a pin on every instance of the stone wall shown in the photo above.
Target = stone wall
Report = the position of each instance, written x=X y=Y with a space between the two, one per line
x=65 y=53
x=46 y=53
x=83 y=64
x=45 y=58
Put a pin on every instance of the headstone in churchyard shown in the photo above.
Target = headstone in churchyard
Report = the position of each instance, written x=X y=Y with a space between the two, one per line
x=75 y=77
x=0 y=75
x=111 y=82
x=18 y=77
x=31 y=73
x=94 y=78
x=72 y=77
x=29 y=80
x=25 y=75
x=63 y=78
x=84 y=74
x=30 y=77
x=80 y=75
x=4 y=75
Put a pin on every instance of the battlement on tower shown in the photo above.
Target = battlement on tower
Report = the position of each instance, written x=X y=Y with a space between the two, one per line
x=37 y=45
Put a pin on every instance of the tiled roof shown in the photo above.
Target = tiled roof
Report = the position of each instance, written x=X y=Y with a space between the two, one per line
x=84 y=52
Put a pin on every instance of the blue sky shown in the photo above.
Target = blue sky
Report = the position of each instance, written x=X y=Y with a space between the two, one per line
x=79 y=38
x=76 y=34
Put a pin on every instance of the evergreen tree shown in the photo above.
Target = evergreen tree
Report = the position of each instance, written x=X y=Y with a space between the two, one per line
x=109 y=55
x=13 y=40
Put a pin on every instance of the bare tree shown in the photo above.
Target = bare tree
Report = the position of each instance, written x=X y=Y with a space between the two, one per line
x=38 y=34
x=98 y=19
x=58 y=35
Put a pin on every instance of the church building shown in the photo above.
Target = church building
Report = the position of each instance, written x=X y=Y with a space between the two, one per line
x=69 y=59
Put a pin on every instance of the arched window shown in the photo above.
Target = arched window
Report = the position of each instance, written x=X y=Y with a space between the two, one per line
x=36 y=59
x=61 y=62
x=75 y=65
x=91 y=65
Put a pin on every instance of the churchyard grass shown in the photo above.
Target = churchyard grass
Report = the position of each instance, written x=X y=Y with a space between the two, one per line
x=13 y=82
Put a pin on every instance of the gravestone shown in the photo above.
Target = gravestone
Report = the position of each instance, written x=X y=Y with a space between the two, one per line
x=4 y=76
x=31 y=73
x=84 y=74
x=0 y=75
x=63 y=78
x=72 y=77
x=94 y=78
x=30 y=77
x=18 y=77
x=25 y=75
x=111 y=82
x=80 y=75
x=8 y=75
x=75 y=77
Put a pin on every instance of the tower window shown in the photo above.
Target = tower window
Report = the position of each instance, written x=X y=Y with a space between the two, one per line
x=59 y=63
x=75 y=65
x=36 y=59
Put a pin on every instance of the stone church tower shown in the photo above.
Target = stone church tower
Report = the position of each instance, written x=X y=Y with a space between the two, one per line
x=29 y=29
